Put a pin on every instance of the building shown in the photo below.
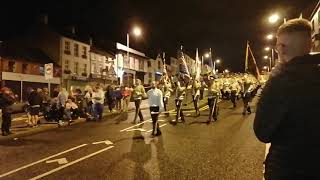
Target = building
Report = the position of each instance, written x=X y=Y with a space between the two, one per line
x=157 y=65
x=102 y=66
x=23 y=68
x=315 y=21
x=134 y=67
x=174 y=66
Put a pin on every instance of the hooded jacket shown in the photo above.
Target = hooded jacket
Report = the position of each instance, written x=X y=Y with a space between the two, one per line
x=288 y=116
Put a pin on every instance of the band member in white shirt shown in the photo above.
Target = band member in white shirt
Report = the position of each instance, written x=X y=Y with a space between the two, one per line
x=156 y=106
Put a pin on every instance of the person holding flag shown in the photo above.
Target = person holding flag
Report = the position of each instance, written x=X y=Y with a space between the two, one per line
x=213 y=96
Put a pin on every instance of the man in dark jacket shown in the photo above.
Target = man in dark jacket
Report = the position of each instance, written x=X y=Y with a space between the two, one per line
x=288 y=111
x=35 y=100
x=6 y=100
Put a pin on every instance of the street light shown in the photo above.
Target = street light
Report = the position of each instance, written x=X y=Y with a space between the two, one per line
x=274 y=18
x=267 y=49
x=270 y=36
x=218 y=61
x=265 y=57
x=226 y=71
x=207 y=55
x=137 y=32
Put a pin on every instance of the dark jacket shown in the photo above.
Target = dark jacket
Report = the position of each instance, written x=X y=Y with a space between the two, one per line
x=5 y=102
x=288 y=116
x=35 y=98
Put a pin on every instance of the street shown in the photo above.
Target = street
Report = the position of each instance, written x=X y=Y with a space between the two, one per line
x=117 y=149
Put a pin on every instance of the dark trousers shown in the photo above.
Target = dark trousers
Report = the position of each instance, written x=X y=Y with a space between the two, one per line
x=165 y=103
x=246 y=99
x=195 y=103
x=233 y=98
x=154 y=117
x=137 y=103
x=201 y=93
x=98 y=110
x=212 y=103
x=6 y=122
x=179 y=110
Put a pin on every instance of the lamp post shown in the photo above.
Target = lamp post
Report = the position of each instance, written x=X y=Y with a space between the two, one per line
x=137 y=32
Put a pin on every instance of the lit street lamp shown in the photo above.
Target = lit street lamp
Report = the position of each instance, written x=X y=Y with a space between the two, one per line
x=270 y=36
x=274 y=18
x=137 y=32
x=207 y=55
x=226 y=71
x=265 y=57
x=267 y=48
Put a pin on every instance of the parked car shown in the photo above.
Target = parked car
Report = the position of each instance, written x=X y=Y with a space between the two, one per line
x=19 y=107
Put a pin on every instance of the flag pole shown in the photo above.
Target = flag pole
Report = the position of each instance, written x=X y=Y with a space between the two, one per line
x=246 y=60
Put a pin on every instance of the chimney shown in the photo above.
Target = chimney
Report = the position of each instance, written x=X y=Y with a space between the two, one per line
x=43 y=19
x=90 y=41
x=73 y=30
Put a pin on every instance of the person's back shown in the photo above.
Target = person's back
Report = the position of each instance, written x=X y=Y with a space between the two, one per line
x=34 y=98
x=287 y=113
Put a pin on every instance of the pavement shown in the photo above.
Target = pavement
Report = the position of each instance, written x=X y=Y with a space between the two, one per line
x=117 y=149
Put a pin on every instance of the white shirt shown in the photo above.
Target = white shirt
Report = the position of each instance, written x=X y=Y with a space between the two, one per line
x=98 y=97
x=155 y=98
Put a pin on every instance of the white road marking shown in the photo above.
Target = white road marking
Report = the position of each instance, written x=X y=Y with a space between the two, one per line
x=107 y=142
x=59 y=161
x=137 y=129
x=71 y=163
x=149 y=120
x=159 y=126
x=42 y=160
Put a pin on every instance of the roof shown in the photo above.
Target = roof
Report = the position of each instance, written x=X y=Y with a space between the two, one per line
x=22 y=53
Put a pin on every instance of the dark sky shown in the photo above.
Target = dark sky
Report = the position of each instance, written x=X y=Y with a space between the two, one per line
x=222 y=25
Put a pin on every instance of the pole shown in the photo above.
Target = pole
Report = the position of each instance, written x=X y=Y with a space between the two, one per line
x=49 y=87
x=128 y=55
x=272 y=56
x=21 y=89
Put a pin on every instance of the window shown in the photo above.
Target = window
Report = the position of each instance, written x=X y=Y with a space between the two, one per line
x=84 y=52
x=11 y=66
x=66 y=64
x=85 y=67
x=93 y=66
x=76 y=50
x=150 y=75
x=76 y=67
x=24 y=68
x=149 y=63
x=67 y=47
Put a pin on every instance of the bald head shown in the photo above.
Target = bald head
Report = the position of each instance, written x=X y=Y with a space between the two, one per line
x=294 y=39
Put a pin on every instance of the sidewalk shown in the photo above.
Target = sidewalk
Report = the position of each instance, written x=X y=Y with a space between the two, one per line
x=20 y=129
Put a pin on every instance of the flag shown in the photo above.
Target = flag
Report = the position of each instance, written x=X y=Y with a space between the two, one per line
x=198 y=66
x=250 y=63
x=183 y=68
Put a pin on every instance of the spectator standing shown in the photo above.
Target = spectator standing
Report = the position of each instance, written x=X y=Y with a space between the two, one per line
x=6 y=100
x=35 y=101
x=98 y=101
x=126 y=93
x=287 y=115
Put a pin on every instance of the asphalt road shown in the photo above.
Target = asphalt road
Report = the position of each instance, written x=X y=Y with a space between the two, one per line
x=117 y=149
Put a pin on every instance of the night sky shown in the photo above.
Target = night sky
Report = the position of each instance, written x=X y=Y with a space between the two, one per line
x=224 y=26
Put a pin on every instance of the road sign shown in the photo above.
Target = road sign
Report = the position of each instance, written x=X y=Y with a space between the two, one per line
x=48 y=71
